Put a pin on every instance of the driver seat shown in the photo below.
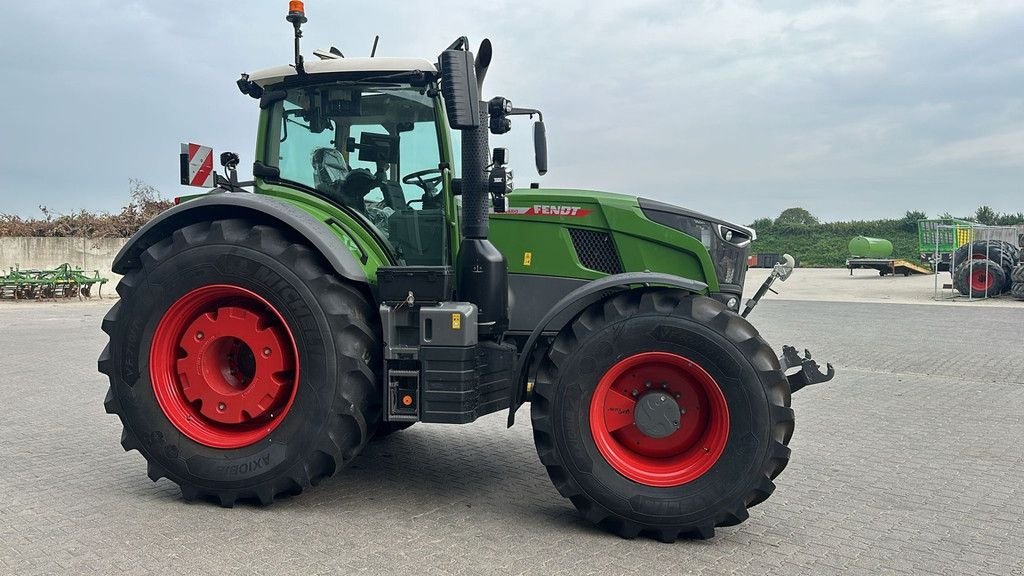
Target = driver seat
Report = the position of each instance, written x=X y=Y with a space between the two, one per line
x=330 y=169
x=394 y=196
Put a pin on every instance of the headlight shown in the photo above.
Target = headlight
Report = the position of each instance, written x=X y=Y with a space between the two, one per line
x=728 y=244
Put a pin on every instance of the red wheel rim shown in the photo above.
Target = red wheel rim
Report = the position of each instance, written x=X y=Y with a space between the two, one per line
x=224 y=366
x=682 y=456
x=981 y=280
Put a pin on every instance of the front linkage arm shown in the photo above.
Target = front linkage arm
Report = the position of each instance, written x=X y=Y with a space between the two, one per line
x=810 y=372
x=781 y=271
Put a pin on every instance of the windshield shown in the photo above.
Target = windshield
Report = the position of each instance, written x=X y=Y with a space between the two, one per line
x=323 y=136
x=371 y=149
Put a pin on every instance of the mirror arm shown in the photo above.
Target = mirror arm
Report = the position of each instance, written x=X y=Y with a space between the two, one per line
x=527 y=111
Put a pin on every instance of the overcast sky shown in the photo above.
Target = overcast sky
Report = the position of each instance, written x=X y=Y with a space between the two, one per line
x=739 y=109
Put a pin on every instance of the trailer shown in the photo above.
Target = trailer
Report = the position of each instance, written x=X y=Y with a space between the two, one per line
x=938 y=239
x=886 y=266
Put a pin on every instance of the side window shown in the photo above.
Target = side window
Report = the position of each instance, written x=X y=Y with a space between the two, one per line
x=297 y=145
x=418 y=149
x=295 y=158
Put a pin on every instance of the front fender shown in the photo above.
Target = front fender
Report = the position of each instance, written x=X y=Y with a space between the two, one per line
x=575 y=302
x=243 y=205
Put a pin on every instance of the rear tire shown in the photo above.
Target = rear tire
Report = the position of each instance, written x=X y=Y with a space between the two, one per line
x=1018 y=290
x=693 y=479
x=980 y=278
x=1003 y=253
x=322 y=398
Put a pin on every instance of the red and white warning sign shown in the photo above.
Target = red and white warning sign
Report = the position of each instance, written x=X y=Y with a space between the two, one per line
x=197 y=165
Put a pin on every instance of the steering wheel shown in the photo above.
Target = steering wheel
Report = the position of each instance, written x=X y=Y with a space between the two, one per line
x=429 y=185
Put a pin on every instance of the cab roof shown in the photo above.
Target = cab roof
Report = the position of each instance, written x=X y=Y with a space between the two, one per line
x=338 y=65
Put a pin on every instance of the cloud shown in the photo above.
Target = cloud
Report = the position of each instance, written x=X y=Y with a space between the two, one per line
x=1002 y=149
x=738 y=108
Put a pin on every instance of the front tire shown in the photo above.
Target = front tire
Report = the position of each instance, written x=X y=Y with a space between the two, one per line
x=633 y=474
x=239 y=365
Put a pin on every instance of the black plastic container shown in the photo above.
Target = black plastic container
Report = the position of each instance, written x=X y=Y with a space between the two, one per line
x=428 y=284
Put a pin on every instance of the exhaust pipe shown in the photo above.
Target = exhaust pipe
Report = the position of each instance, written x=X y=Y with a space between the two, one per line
x=483 y=271
x=476 y=148
x=483 y=61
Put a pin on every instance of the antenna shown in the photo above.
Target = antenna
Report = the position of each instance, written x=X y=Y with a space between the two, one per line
x=373 y=51
x=297 y=16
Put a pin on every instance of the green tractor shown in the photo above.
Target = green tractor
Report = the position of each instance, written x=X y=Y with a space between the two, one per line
x=380 y=271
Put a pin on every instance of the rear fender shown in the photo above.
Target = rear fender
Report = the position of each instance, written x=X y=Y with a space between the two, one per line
x=265 y=209
x=575 y=302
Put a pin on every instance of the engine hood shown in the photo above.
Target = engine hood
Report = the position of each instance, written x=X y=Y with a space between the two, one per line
x=648 y=205
x=575 y=203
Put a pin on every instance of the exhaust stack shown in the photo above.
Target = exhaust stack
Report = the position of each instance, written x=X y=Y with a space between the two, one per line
x=483 y=271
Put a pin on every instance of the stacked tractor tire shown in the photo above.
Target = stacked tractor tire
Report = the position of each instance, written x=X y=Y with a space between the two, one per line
x=1017 y=282
x=988 y=268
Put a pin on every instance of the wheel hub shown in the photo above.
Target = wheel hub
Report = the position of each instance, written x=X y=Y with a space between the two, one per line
x=224 y=366
x=659 y=419
x=657 y=415
x=221 y=370
x=981 y=280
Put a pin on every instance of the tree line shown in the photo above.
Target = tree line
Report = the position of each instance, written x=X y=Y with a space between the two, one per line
x=824 y=244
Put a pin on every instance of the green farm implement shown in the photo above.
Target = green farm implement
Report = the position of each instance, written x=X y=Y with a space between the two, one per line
x=381 y=270
x=939 y=239
x=63 y=281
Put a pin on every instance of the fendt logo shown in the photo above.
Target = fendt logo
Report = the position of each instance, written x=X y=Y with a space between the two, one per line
x=548 y=210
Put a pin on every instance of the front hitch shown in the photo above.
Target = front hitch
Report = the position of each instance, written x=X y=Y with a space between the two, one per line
x=781 y=271
x=810 y=373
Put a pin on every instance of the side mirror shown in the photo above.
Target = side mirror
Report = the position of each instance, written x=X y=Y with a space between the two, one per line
x=459 y=89
x=540 y=147
x=229 y=160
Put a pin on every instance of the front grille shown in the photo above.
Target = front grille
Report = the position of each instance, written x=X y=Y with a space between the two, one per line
x=596 y=250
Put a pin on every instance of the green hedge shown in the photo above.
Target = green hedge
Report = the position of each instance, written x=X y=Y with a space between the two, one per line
x=825 y=245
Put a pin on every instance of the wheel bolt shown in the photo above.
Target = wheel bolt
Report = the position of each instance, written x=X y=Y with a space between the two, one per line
x=200 y=335
x=266 y=352
x=635 y=392
x=682 y=411
x=647 y=384
x=221 y=407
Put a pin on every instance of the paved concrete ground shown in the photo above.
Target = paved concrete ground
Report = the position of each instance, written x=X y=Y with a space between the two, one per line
x=837 y=284
x=909 y=462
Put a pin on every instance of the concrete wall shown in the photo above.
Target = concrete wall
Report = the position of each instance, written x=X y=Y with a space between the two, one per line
x=86 y=253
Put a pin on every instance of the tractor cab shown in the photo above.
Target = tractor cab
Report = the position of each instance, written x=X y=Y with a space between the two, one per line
x=368 y=135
